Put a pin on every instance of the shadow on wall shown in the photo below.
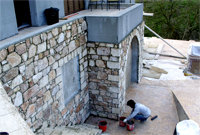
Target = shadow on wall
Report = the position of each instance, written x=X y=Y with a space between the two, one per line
x=132 y=62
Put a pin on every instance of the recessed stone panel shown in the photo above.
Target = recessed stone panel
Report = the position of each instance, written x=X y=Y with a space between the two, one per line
x=70 y=79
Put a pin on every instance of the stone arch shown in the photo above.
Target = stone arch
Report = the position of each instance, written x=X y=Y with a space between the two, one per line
x=136 y=36
x=133 y=59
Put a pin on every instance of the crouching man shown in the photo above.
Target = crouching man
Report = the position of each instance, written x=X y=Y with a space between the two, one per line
x=139 y=111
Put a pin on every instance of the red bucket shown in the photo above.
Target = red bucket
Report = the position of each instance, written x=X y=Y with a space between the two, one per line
x=121 y=123
x=130 y=125
x=103 y=125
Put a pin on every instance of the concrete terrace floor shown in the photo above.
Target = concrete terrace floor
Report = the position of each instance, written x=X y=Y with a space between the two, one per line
x=157 y=95
x=159 y=99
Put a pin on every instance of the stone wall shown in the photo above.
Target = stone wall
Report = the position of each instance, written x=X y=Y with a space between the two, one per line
x=30 y=72
x=107 y=74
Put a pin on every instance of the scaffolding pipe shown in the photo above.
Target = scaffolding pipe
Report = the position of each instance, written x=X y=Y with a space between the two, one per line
x=166 y=55
x=164 y=40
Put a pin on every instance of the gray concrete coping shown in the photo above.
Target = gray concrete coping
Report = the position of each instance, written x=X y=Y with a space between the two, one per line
x=33 y=31
x=113 y=29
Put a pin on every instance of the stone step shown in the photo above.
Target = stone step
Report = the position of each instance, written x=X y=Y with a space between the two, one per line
x=86 y=128
x=81 y=129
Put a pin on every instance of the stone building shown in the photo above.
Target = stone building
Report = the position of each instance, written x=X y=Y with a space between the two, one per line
x=60 y=74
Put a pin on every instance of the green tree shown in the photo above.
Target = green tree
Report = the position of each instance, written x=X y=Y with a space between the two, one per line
x=173 y=19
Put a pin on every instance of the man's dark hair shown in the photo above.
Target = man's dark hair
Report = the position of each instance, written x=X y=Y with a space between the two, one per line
x=131 y=103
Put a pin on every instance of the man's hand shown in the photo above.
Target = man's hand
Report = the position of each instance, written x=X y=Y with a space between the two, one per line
x=125 y=120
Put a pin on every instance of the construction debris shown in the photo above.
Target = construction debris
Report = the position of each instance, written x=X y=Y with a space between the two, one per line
x=159 y=49
x=152 y=71
x=182 y=68
x=194 y=77
x=151 y=74
x=171 y=67
x=187 y=74
x=147 y=66
x=184 y=62
x=159 y=70
x=153 y=68
x=185 y=71
x=153 y=48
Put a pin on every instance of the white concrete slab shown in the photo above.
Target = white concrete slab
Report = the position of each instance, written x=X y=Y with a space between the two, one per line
x=10 y=119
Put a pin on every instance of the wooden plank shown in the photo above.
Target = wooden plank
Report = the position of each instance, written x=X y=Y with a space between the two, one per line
x=148 y=14
x=150 y=73
x=66 y=7
x=159 y=70
x=71 y=6
x=166 y=55
x=82 y=5
x=76 y=6
x=159 y=49
x=66 y=17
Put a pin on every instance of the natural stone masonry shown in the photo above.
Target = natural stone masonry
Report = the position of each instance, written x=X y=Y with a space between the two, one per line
x=31 y=75
x=107 y=74
x=126 y=46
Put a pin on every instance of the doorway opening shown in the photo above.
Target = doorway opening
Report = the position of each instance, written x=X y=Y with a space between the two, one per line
x=135 y=60
x=132 y=63
x=22 y=12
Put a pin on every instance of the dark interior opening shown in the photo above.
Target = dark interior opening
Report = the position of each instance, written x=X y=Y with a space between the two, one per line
x=22 y=12
x=132 y=65
x=135 y=60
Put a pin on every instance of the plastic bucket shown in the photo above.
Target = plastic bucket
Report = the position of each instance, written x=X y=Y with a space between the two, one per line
x=187 y=127
x=121 y=123
x=130 y=125
x=103 y=125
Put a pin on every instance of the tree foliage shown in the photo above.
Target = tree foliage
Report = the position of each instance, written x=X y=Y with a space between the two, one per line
x=173 y=19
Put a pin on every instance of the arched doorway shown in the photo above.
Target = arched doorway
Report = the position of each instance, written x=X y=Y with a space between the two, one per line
x=135 y=60
x=132 y=63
